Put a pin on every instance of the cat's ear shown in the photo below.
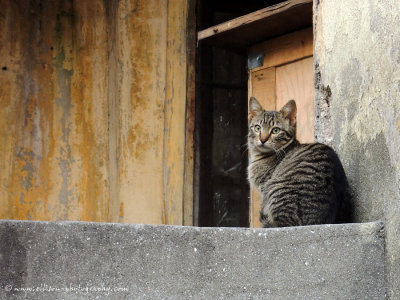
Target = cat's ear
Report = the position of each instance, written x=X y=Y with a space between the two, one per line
x=289 y=111
x=255 y=108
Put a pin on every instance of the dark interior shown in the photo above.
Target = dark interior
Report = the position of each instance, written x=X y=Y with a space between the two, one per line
x=221 y=189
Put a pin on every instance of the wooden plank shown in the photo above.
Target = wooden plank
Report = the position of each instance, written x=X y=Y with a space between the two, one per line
x=286 y=48
x=238 y=34
x=115 y=208
x=86 y=171
x=175 y=109
x=188 y=185
x=142 y=40
x=263 y=88
x=295 y=81
x=11 y=94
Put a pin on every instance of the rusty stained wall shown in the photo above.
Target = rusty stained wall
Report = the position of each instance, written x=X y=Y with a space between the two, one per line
x=93 y=104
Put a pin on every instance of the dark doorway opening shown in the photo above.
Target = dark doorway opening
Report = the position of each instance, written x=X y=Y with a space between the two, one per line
x=221 y=188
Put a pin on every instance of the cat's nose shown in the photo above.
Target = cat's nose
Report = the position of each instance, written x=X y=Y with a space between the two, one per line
x=263 y=138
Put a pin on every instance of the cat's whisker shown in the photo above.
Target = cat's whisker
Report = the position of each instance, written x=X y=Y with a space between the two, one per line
x=244 y=148
x=243 y=153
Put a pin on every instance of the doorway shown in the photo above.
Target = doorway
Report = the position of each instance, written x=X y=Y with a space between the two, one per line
x=224 y=81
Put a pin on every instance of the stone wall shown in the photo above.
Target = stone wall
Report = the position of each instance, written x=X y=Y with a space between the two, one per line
x=357 y=81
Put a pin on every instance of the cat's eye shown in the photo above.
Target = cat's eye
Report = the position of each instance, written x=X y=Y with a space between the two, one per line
x=275 y=130
x=257 y=128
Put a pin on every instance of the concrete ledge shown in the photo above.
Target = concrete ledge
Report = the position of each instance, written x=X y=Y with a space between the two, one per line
x=71 y=260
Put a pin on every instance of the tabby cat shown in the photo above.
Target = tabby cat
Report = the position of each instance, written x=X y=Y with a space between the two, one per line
x=300 y=184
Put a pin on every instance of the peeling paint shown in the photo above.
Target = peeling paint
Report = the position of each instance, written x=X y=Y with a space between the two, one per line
x=74 y=87
x=45 y=172
x=63 y=101
x=143 y=77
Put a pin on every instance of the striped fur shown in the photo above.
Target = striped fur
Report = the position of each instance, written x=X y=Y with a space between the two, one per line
x=300 y=184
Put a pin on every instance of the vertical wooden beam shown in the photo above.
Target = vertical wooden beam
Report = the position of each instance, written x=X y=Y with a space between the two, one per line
x=113 y=93
x=88 y=135
x=188 y=177
x=142 y=29
x=175 y=109
x=11 y=53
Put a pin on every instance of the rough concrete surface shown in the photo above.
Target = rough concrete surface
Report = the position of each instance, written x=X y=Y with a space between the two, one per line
x=170 y=262
x=357 y=61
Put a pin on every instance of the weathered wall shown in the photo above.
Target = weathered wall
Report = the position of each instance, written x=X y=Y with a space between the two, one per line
x=357 y=60
x=93 y=110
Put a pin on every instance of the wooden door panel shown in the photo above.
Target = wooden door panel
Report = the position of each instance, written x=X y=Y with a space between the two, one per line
x=286 y=48
x=295 y=81
x=263 y=87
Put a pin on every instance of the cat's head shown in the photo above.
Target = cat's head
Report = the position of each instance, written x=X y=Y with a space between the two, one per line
x=270 y=131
